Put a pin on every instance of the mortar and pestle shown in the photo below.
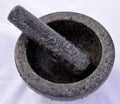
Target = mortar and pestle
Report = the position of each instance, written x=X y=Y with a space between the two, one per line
x=63 y=55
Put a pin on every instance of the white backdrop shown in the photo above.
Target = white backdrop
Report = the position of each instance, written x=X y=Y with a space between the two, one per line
x=13 y=90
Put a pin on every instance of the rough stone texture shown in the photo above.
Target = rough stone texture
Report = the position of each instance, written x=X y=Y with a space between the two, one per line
x=62 y=50
x=39 y=70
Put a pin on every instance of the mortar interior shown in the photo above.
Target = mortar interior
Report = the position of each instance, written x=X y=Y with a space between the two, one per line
x=81 y=36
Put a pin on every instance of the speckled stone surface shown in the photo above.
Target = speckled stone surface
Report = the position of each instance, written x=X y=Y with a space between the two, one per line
x=63 y=51
x=44 y=76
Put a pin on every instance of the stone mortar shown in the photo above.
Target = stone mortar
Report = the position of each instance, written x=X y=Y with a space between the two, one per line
x=45 y=76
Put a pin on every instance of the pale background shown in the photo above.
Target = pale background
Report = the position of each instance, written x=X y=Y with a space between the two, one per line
x=13 y=90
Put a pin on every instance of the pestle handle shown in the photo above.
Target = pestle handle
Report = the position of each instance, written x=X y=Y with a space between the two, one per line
x=61 y=49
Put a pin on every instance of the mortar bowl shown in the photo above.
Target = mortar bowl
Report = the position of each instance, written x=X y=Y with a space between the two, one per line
x=48 y=77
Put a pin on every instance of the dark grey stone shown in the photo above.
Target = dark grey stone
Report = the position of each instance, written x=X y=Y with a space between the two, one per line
x=62 y=50
x=49 y=77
